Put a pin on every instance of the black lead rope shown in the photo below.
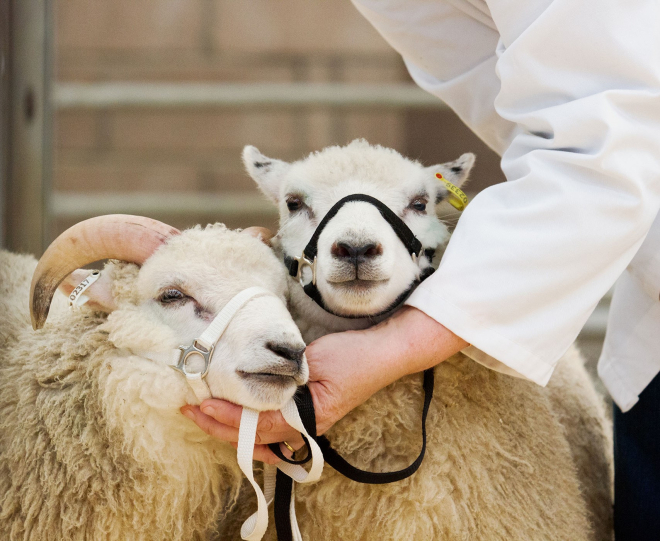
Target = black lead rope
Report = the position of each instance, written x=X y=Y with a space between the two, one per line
x=303 y=397
x=284 y=483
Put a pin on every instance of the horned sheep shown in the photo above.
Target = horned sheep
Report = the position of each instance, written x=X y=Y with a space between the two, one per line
x=92 y=442
x=506 y=459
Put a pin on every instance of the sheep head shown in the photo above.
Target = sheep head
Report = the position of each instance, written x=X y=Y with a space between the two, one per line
x=362 y=266
x=177 y=292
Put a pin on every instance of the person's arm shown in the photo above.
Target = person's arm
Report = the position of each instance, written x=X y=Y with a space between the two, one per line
x=579 y=89
x=345 y=370
x=579 y=108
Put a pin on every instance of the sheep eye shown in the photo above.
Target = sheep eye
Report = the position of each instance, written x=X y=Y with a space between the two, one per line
x=294 y=203
x=171 y=295
x=419 y=205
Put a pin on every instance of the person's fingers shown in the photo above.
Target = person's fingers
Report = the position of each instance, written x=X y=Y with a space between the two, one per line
x=222 y=411
x=263 y=453
x=271 y=427
x=272 y=422
x=210 y=425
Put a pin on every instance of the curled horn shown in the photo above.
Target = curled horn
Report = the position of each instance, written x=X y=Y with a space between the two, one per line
x=115 y=236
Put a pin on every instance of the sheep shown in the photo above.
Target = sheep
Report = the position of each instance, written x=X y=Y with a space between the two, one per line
x=92 y=442
x=506 y=459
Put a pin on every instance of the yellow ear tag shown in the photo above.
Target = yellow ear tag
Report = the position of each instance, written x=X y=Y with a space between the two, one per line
x=457 y=197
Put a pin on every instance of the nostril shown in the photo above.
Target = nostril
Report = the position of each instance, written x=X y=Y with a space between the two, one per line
x=341 y=249
x=370 y=250
x=344 y=250
x=289 y=352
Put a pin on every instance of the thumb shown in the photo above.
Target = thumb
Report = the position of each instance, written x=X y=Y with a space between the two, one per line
x=326 y=405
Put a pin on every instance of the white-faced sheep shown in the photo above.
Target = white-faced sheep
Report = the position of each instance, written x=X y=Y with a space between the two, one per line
x=92 y=443
x=506 y=459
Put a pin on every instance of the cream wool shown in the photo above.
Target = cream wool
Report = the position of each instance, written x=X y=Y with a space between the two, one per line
x=92 y=443
x=506 y=459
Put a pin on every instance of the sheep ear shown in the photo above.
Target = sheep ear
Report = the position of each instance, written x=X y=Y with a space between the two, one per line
x=261 y=233
x=456 y=172
x=99 y=293
x=265 y=171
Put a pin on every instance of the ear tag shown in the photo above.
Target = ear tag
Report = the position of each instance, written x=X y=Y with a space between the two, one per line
x=77 y=299
x=457 y=197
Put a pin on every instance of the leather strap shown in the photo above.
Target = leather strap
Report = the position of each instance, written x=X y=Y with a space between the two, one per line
x=407 y=237
x=340 y=464
x=255 y=526
x=284 y=498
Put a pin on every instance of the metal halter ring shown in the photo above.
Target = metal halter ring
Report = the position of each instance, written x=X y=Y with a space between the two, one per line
x=193 y=349
x=303 y=261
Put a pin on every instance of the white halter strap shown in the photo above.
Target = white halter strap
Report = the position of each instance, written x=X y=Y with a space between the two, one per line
x=204 y=345
x=255 y=526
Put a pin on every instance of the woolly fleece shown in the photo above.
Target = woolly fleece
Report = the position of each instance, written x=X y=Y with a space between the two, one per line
x=92 y=443
x=506 y=459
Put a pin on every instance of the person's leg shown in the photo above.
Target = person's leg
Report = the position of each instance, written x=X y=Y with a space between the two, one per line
x=637 y=468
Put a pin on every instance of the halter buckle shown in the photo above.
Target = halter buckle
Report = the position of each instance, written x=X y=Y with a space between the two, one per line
x=304 y=261
x=193 y=349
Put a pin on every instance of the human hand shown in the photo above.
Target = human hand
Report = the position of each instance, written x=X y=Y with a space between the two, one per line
x=345 y=370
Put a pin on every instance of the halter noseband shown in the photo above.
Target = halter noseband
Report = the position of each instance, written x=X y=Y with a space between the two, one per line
x=284 y=498
x=308 y=258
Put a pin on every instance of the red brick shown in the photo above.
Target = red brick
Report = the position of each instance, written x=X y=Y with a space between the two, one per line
x=201 y=131
x=88 y=65
x=181 y=222
x=75 y=129
x=392 y=71
x=110 y=176
x=294 y=26
x=322 y=129
x=378 y=127
x=128 y=24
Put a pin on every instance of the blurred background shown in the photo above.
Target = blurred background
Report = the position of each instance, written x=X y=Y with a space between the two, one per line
x=143 y=107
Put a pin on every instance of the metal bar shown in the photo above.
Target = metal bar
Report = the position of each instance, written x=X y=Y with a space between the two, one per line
x=114 y=95
x=47 y=135
x=227 y=205
x=30 y=168
x=5 y=115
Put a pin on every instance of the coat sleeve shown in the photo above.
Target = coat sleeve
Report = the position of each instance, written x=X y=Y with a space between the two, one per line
x=575 y=109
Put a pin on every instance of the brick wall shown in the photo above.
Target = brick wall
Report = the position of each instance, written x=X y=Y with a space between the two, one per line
x=226 y=41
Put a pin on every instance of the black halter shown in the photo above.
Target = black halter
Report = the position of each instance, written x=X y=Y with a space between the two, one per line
x=303 y=397
x=309 y=254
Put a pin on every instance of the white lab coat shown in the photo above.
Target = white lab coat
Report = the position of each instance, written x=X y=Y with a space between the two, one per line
x=568 y=92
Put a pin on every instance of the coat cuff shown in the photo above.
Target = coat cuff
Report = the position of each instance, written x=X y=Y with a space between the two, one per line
x=486 y=347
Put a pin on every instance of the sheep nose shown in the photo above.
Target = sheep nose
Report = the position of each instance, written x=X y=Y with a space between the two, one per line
x=290 y=352
x=344 y=250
